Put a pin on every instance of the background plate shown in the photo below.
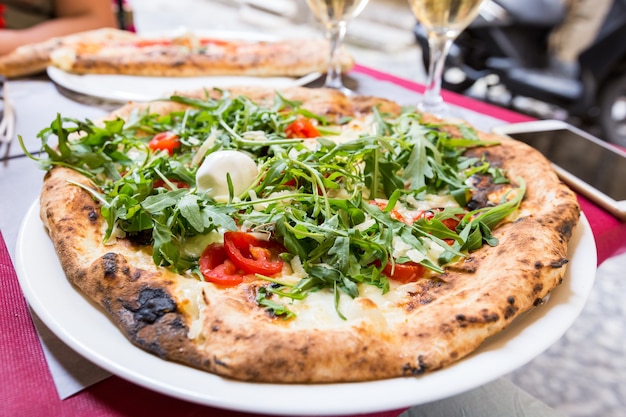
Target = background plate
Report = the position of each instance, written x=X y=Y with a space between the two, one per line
x=86 y=329
x=125 y=88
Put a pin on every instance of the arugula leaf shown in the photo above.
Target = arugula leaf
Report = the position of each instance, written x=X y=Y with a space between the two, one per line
x=273 y=307
x=315 y=200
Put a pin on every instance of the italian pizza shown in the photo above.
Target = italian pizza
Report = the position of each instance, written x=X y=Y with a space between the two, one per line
x=301 y=235
x=188 y=54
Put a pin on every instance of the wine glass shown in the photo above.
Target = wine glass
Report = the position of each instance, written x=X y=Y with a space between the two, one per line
x=443 y=20
x=334 y=16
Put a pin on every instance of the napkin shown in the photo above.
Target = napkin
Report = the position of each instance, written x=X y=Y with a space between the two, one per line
x=71 y=372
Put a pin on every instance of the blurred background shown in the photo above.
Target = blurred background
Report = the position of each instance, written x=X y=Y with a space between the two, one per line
x=380 y=37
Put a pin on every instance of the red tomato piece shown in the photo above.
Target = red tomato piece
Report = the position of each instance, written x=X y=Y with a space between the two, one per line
x=291 y=183
x=152 y=42
x=160 y=183
x=212 y=41
x=302 y=128
x=217 y=268
x=451 y=222
x=167 y=141
x=406 y=272
x=252 y=255
x=394 y=213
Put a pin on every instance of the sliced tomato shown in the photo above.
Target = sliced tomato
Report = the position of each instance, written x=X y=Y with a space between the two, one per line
x=213 y=41
x=216 y=267
x=152 y=42
x=302 y=128
x=394 y=213
x=160 y=183
x=451 y=222
x=406 y=272
x=252 y=255
x=168 y=141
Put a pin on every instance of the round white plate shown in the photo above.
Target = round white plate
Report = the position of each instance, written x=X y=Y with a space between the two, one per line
x=86 y=329
x=125 y=88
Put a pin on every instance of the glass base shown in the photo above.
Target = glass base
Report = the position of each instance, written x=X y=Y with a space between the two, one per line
x=440 y=109
x=337 y=84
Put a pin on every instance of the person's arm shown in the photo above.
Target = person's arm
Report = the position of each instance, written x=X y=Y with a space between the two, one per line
x=71 y=16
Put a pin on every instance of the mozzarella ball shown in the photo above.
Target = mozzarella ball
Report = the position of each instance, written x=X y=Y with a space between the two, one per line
x=211 y=176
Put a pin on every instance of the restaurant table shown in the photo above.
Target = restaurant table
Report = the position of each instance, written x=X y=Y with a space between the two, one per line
x=28 y=386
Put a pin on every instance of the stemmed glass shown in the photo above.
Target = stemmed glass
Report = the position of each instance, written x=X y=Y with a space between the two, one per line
x=443 y=20
x=334 y=16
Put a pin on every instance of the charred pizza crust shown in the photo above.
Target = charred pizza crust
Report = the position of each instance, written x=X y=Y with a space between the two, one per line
x=428 y=325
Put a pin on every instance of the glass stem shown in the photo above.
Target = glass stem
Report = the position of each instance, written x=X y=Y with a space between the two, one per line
x=336 y=33
x=439 y=46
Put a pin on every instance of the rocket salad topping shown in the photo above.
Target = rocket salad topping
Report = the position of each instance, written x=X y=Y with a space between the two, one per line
x=347 y=212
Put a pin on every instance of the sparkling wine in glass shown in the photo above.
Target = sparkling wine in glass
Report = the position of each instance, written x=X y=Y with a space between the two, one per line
x=334 y=16
x=443 y=20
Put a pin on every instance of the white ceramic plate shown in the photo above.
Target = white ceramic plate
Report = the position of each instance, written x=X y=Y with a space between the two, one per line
x=86 y=329
x=125 y=88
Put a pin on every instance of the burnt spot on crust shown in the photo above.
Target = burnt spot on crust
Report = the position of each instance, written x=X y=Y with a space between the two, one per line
x=142 y=238
x=153 y=304
x=485 y=317
x=483 y=188
x=112 y=265
x=415 y=370
x=464 y=321
x=92 y=213
x=510 y=309
x=469 y=265
x=418 y=299
x=490 y=317
x=446 y=328
x=568 y=228
x=559 y=263
x=479 y=197
x=218 y=363
x=425 y=294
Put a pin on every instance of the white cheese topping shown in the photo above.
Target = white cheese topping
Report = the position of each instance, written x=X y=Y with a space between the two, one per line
x=372 y=307
x=63 y=58
x=212 y=174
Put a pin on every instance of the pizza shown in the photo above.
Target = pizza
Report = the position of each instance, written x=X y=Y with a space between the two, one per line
x=302 y=236
x=35 y=58
x=111 y=51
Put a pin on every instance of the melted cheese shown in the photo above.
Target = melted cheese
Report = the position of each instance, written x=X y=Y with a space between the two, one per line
x=211 y=177
x=372 y=307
